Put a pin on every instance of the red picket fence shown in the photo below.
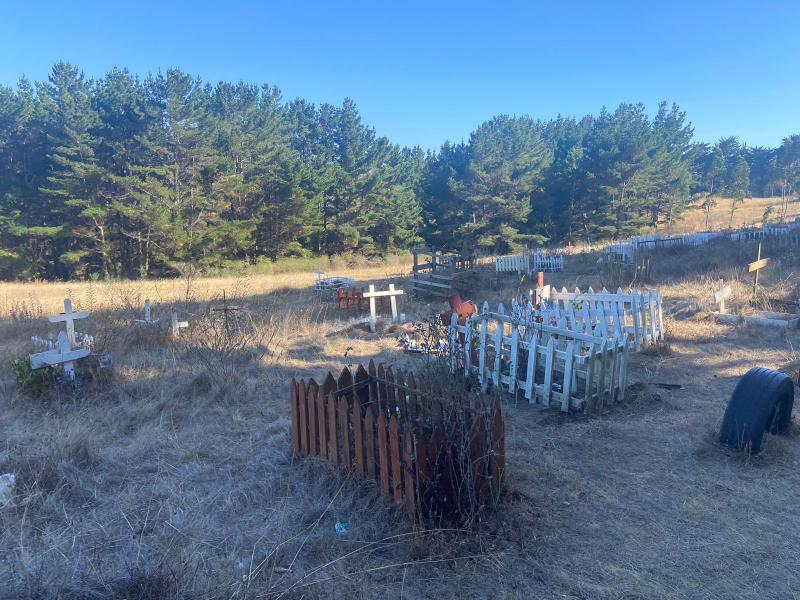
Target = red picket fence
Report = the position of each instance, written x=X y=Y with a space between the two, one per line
x=434 y=454
x=354 y=299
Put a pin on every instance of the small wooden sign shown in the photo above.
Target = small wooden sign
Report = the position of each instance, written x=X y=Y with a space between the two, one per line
x=722 y=294
x=759 y=264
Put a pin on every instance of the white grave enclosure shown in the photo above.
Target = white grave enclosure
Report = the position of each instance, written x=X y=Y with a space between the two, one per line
x=64 y=354
x=372 y=295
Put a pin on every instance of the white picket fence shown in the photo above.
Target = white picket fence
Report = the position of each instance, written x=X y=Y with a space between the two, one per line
x=549 y=364
x=529 y=263
x=633 y=316
x=628 y=248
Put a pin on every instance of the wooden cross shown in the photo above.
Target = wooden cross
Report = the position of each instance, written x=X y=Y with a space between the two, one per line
x=721 y=295
x=69 y=318
x=176 y=325
x=373 y=313
x=755 y=267
x=225 y=308
x=64 y=354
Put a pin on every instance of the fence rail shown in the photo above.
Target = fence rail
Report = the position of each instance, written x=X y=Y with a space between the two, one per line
x=635 y=317
x=430 y=453
x=549 y=364
x=529 y=263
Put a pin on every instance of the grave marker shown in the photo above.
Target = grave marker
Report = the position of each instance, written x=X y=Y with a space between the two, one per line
x=373 y=313
x=176 y=325
x=755 y=267
x=721 y=295
x=63 y=354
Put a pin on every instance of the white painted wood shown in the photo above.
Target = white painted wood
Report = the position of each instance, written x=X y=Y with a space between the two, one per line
x=68 y=317
x=176 y=326
x=373 y=311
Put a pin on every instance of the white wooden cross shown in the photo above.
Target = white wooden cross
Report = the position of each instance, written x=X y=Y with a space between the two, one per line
x=176 y=325
x=721 y=295
x=373 y=313
x=64 y=354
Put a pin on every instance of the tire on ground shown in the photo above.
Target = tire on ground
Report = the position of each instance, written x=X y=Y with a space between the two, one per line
x=762 y=401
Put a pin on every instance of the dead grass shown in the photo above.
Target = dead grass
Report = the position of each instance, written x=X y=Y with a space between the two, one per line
x=175 y=480
x=749 y=212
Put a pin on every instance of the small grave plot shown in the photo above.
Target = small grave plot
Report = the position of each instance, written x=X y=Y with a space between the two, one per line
x=436 y=449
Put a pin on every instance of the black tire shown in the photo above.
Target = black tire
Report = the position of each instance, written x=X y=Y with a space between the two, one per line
x=762 y=401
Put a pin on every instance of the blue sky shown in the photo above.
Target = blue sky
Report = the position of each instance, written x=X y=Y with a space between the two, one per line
x=425 y=72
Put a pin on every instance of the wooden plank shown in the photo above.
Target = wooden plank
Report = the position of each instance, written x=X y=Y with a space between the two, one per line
x=400 y=397
x=566 y=389
x=344 y=432
x=413 y=400
x=345 y=381
x=358 y=436
x=383 y=453
x=759 y=264
x=322 y=424
x=333 y=438
x=369 y=444
x=394 y=448
x=313 y=420
x=409 y=493
x=295 y=408
x=301 y=392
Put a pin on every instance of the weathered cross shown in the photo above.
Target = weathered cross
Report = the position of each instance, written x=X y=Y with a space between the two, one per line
x=176 y=325
x=69 y=318
x=373 y=313
x=64 y=354
x=755 y=267
x=225 y=309
x=721 y=295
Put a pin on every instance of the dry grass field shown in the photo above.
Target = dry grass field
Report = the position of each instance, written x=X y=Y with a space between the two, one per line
x=750 y=211
x=173 y=478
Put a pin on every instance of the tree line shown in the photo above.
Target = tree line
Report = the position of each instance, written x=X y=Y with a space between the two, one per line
x=131 y=177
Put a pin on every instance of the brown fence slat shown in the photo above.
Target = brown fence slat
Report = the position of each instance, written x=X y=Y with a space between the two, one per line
x=424 y=471
x=346 y=382
x=313 y=420
x=400 y=395
x=391 y=393
x=333 y=438
x=413 y=406
x=301 y=393
x=383 y=453
x=382 y=389
x=294 y=406
x=358 y=436
x=362 y=385
x=369 y=443
x=408 y=473
x=344 y=432
x=322 y=423
x=394 y=449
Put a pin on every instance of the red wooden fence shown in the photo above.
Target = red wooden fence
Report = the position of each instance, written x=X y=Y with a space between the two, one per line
x=431 y=453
